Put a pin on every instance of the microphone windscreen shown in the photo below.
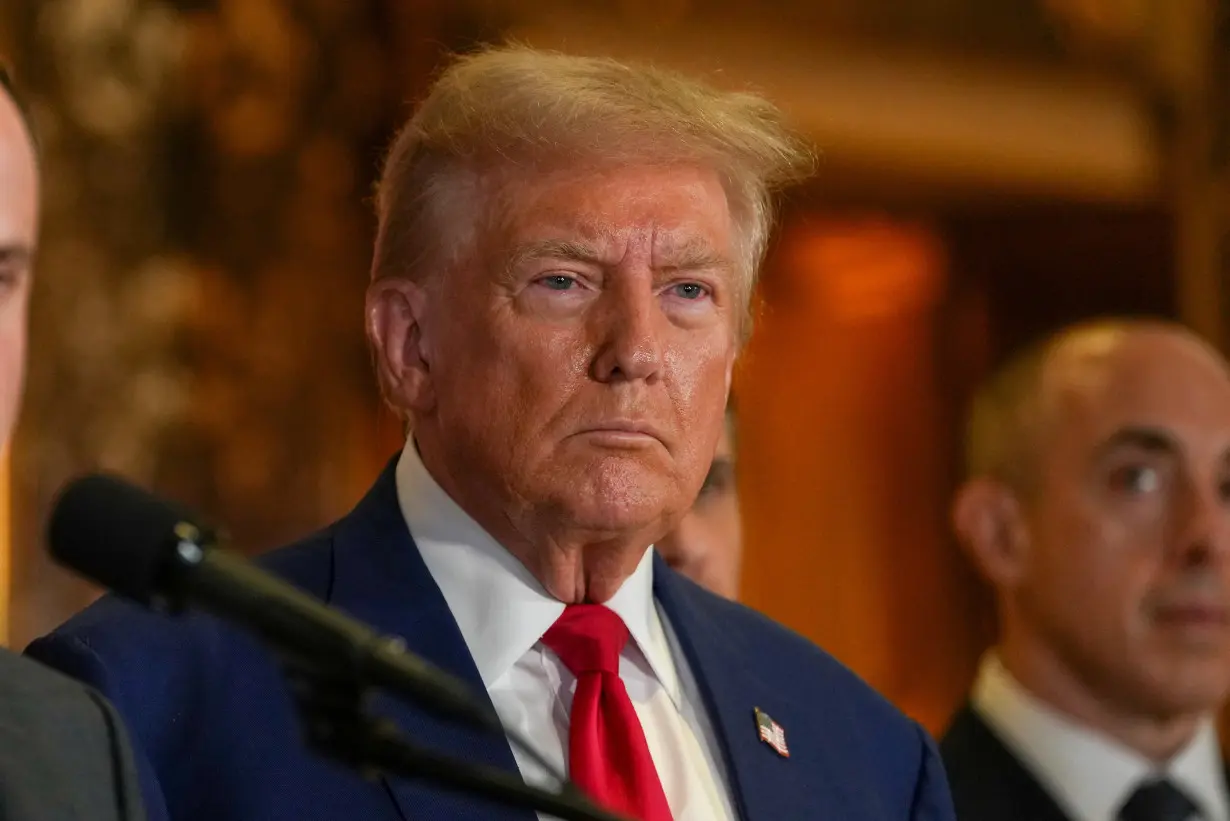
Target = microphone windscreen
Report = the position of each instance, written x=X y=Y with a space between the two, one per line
x=115 y=534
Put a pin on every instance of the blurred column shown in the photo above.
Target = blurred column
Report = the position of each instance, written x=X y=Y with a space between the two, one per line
x=1190 y=56
x=1178 y=54
x=844 y=452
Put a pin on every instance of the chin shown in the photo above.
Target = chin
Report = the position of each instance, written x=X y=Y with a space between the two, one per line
x=614 y=516
x=1189 y=688
x=615 y=498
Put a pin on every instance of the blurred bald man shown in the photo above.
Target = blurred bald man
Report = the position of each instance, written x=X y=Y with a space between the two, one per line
x=1098 y=508
x=64 y=755
x=707 y=544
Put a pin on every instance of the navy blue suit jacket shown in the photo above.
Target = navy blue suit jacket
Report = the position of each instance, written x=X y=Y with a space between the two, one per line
x=218 y=738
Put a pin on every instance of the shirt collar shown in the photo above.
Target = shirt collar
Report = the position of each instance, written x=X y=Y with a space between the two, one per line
x=500 y=608
x=1090 y=774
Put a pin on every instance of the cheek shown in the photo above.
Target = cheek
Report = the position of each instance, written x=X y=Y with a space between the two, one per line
x=697 y=381
x=12 y=363
x=1100 y=570
x=700 y=365
x=724 y=532
x=506 y=375
x=731 y=523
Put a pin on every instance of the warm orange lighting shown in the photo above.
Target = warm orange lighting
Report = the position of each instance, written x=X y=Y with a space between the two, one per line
x=865 y=269
x=842 y=456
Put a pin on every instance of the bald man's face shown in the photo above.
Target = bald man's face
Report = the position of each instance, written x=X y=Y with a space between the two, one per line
x=18 y=228
x=1125 y=573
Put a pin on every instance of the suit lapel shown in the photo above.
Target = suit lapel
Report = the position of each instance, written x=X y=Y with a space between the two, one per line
x=987 y=780
x=380 y=578
x=763 y=783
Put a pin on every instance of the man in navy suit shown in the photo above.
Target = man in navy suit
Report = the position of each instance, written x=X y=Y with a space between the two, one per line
x=560 y=286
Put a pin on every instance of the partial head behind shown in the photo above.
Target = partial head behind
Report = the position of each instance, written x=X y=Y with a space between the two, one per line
x=707 y=544
x=516 y=110
x=19 y=192
x=1098 y=506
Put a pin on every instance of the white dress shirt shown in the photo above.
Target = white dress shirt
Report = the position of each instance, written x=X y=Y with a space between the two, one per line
x=503 y=611
x=1089 y=774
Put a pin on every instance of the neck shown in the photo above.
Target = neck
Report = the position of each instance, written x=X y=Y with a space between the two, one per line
x=1036 y=668
x=574 y=565
x=579 y=569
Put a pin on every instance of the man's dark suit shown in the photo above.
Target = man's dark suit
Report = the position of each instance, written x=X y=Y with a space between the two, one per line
x=64 y=755
x=218 y=739
x=988 y=782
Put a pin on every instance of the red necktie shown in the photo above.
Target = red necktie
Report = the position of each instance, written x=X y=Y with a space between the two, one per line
x=607 y=753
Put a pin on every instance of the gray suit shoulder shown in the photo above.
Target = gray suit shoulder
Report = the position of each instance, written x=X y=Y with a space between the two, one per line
x=64 y=754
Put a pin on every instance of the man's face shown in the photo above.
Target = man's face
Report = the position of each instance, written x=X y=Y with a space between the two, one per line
x=1127 y=576
x=707 y=545
x=18 y=232
x=578 y=366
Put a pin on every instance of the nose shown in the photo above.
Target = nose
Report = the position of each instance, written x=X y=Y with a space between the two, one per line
x=1203 y=526
x=630 y=330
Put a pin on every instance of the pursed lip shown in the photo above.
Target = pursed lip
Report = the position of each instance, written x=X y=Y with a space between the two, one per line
x=627 y=428
x=1193 y=613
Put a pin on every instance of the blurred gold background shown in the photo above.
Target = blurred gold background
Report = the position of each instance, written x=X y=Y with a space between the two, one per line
x=990 y=170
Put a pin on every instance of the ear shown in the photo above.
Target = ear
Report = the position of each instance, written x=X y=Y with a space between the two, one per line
x=988 y=519
x=395 y=310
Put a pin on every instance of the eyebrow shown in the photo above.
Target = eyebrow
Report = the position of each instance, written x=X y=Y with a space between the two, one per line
x=1152 y=440
x=20 y=255
x=554 y=249
x=692 y=255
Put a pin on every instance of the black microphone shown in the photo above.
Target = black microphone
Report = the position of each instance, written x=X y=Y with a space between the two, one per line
x=151 y=550
x=155 y=552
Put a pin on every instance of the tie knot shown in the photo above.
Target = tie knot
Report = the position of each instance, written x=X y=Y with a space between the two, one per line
x=588 y=638
x=1157 y=800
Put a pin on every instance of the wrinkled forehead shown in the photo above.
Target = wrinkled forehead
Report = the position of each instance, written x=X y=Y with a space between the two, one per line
x=686 y=204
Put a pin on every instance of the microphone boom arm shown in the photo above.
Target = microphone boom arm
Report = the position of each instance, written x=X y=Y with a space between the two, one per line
x=336 y=726
x=125 y=538
x=328 y=682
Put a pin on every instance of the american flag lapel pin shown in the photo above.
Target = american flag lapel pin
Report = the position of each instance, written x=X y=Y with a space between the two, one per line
x=771 y=732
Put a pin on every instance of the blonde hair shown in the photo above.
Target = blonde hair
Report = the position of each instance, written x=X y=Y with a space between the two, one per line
x=515 y=107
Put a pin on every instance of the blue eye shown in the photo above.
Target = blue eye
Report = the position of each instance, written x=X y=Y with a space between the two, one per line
x=690 y=290
x=558 y=282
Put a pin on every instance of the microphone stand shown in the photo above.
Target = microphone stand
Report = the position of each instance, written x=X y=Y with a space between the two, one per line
x=329 y=680
x=335 y=724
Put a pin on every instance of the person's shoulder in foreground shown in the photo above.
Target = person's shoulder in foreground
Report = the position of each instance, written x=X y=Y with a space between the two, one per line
x=63 y=752
x=214 y=728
